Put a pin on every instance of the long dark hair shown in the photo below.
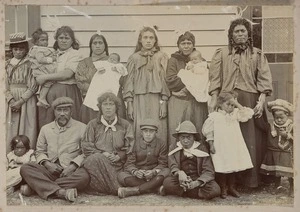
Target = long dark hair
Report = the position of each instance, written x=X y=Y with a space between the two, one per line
x=233 y=24
x=23 y=138
x=139 y=42
x=104 y=41
x=70 y=32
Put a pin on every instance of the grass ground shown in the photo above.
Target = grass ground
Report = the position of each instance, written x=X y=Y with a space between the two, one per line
x=258 y=197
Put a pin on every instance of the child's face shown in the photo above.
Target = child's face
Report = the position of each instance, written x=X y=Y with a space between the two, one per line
x=20 y=149
x=113 y=59
x=18 y=52
x=43 y=40
x=228 y=106
x=186 y=140
x=148 y=134
x=280 y=117
x=195 y=58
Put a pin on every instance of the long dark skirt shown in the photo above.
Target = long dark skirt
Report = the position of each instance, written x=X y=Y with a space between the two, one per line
x=104 y=175
x=255 y=135
x=58 y=90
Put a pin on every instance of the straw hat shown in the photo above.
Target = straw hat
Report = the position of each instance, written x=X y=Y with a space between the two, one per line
x=18 y=37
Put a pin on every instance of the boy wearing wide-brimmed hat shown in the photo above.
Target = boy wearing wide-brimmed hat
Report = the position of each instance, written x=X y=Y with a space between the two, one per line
x=147 y=166
x=192 y=171
x=278 y=160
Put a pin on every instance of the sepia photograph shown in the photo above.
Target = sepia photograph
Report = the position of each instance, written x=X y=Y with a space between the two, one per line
x=148 y=105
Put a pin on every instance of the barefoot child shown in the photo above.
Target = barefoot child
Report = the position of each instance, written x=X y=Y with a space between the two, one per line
x=43 y=62
x=227 y=146
x=19 y=155
x=278 y=160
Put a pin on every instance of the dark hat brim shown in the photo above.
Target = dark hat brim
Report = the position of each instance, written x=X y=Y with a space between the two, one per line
x=196 y=134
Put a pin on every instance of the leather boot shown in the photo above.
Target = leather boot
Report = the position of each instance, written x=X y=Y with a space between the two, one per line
x=291 y=189
x=231 y=186
x=223 y=186
x=128 y=191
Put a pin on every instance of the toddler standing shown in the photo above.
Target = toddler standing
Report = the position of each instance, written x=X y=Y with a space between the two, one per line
x=227 y=146
x=278 y=160
x=43 y=62
x=19 y=155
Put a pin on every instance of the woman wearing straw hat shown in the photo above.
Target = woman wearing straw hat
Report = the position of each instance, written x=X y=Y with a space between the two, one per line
x=21 y=115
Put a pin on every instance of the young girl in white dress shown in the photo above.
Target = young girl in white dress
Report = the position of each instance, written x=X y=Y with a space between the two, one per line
x=227 y=146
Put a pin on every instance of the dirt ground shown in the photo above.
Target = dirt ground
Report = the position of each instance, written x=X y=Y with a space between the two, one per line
x=258 y=197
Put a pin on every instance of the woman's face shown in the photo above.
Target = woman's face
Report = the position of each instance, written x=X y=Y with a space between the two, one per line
x=18 y=52
x=98 y=46
x=148 y=40
x=108 y=108
x=64 y=41
x=186 y=47
x=240 y=34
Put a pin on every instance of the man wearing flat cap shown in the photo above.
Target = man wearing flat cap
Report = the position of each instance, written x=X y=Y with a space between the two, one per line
x=147 y=165
x=192 y=171
x=58 y=152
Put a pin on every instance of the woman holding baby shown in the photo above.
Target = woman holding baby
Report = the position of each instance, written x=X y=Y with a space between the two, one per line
x=182 y=104
x=86 y=70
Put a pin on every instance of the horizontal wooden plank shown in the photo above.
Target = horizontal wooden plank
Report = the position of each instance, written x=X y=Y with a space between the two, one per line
x=203 y=38
x=191 y=22
x=277 y=11
x=136 y=10
x=207 y=52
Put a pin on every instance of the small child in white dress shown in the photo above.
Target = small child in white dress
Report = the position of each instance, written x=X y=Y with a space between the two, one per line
x=195 y=76
x=106 y=79
x=43 y=62
x=20 y=154
x=227 y=146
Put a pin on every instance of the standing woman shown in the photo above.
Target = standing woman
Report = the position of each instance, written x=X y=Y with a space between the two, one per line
x=244 y=69
x=86 y=70
x=21 y=115
x=182 y=105
x=145 y=89
x=64 y=80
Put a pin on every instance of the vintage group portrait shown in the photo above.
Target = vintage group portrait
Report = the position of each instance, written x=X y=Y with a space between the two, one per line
x=155 y=105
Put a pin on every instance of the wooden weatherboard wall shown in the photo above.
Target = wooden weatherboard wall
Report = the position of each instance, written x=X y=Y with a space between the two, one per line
x=120 y=25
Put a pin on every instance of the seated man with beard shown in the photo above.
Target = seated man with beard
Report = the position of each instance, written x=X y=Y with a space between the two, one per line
x=58 y=152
